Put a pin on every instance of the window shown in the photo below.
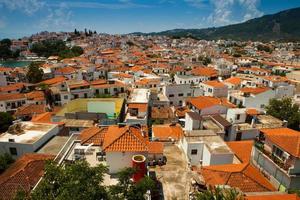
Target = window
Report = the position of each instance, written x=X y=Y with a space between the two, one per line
x=66 y=97
x=238 y=116
x=115 y=89
x=13 y=151
x=189 y=94
x=194 y=151
x=209 y=90
x=278 y=152
x=171 y=95
x=180 y=94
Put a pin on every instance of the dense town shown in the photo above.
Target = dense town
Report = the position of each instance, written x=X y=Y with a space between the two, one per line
x=190 y=116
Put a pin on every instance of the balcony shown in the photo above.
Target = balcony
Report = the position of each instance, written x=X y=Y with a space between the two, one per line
x=272 y=158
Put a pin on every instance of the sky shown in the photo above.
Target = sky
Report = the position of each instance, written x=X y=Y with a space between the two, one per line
x=20 y=18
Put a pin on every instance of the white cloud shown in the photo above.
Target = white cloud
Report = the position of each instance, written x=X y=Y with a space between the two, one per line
x=122 y=4
x=26 y=6
x=251 y=9
x=58 y=19
x=197 y=3
x=222 y=13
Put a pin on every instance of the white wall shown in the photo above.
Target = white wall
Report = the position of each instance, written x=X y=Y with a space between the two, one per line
x=116 y=161
x=206 y=156
x=232 y=115
x=28 y=147
x=191 y=124
x=217 y=109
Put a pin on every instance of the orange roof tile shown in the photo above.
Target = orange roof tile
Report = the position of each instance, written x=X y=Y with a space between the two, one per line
x=55 y=80
x=65 y=70
x=216 y=84
x=233 y=80
x=23 y=173
x=142 y=107
x=242 y=149
x=10 y=96
x=165 y=132
x=30 y=109
x=93 y=135
x=35 y=95
x=125 y=139
x=205 y=71
x=285 y=138
x=43 y=117
x=202 y=102
x=252 y=111
x=257 y=90
x=243 y=176
x=12 y=87
x=156 y=148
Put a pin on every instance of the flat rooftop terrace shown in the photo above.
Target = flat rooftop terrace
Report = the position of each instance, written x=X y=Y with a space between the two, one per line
x=54 y=145
x=27 y=132
x=139 y=96
x=82 y=105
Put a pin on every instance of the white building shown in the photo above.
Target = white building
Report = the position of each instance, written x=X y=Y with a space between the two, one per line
x=214 y=89
x=26 y=137
x=204 y=148
x=177 y=94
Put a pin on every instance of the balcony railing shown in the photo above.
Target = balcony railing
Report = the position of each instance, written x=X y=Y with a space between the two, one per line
x=285 y=165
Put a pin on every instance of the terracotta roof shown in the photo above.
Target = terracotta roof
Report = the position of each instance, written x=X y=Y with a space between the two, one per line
x=257 y=90
x=93 y=135
x=273 y=197
x=285 y=138
x=5 y=97
x=23 y=173
x=180 y=112
x=99 y=82
x=142 y=107
x=165 y=132
x=156 y=148
x=30 y=109
x=202 y=102
x=65 y=70
x=252 y=111
x=216 y=84
x=205 y=71
x=275 y=78
x=35 y=95
x=162 y=113
x=243 y=176
x=53 y=81
x=127 y=138
x=43 y=117
x=12 y=87
x=5 y=69
x=107 y=85
x=233 y=80
x=242 y=149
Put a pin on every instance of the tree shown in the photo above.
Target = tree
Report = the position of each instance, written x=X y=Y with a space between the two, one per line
x=284 y=109
x=77 y=51
x=219 y=194
x=5 y=51
x=75 y=181
x=6 y=120
x=35 y=73
x=127 y=189
x=5 y=160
